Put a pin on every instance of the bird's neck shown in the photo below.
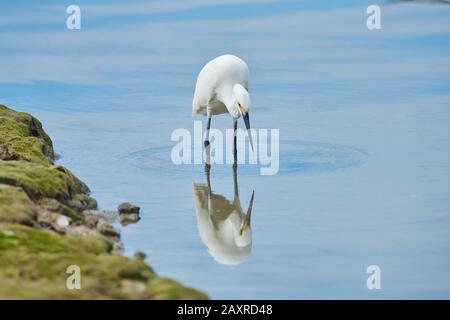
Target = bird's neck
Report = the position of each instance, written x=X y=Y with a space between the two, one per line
x=227 y=98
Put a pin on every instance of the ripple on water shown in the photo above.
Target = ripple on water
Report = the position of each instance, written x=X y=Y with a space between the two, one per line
x=295 y=157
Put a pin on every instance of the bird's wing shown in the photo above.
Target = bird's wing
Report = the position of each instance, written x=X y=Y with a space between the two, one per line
x=217 y=206
x=205 y=88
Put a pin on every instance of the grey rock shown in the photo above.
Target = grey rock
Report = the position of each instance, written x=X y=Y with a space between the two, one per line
x=82 y=202
x=52 y=220
x=126 y=208
x=107 y=230
x=7 y=154
x=135 y=289
x=43 y=217
x=140 y=255
x=117 y=248
x=50 y=204
x=108 y=216
x=79 y=231
x=129 y=218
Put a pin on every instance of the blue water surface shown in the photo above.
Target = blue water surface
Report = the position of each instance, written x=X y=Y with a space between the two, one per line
x=364 y=174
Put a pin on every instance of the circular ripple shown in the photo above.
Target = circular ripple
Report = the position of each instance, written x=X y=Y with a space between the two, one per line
x=295 y=157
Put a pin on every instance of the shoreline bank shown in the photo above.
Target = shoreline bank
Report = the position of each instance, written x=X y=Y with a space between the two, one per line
x=49 y=221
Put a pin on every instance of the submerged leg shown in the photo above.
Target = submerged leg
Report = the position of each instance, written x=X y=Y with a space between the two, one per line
x=207 y=145
x=208 y=181
x=236 y=188
x=234 y=144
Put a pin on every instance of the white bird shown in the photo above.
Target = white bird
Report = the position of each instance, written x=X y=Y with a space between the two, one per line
x=223 y=226
x=222 y=86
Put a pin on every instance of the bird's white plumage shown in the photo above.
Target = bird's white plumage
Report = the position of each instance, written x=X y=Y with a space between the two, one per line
x=219 y=222
x=214 y=87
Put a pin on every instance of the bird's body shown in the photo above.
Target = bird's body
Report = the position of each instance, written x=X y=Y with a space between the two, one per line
x=222 y=86
x=214 y=87
x=220 y=223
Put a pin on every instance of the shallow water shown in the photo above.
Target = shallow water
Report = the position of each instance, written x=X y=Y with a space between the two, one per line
x=364 y=137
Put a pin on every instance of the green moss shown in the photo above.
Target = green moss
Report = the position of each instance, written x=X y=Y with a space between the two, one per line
x=18 y=145
x=33 y=264
x=30 y=257
x=167 y=289
x=23 y=138
x=76 y=186
x=40 y=181
x=15 y=206
x=35 y=179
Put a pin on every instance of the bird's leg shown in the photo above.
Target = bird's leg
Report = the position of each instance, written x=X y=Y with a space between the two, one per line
x=234 y=144
x=236 y=188
x=208 y=146
x=208 y=181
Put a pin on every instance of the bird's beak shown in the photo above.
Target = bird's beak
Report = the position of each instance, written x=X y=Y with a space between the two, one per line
x=248 y=216
x=247 y=125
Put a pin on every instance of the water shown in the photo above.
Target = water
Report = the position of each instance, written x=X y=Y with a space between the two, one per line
x=364 y=136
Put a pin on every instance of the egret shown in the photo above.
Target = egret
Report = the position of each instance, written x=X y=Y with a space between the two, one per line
x=222 y=87
x=223 y=226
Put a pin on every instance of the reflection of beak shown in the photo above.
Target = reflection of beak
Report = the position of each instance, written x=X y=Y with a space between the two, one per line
x=248 y=216
x=247 y=125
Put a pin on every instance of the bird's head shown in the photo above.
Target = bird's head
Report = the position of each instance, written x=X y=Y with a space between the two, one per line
x=242 y=105
x=241 y=100
x=245 y=231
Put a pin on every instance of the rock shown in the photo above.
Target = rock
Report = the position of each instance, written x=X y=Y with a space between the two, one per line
x=43 y=218
x=74 y=184
x=140 y=255
x=82 y=202
x=126 y=208
x=50 y=205
x=91 y=220
x=129 y=213
x=59 y=223
x=117 y=248
x=81 y=231
x=135 y=289
x=37 y=180
x=55 y=221
x=62 y=221
x=24 y=138
x=130 y=218
x=91 y=203
x=7 y=154
x=107 y=230
x=109 y=216
x=133 y=271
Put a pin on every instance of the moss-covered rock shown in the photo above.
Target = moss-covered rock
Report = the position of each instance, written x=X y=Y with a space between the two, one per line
x=38 y=260
x=22 y=138
x=40 y=181
x=35 y=179
x=46 y=225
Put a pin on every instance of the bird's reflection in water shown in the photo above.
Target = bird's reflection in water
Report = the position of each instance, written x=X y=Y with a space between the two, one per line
x=224 y=227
